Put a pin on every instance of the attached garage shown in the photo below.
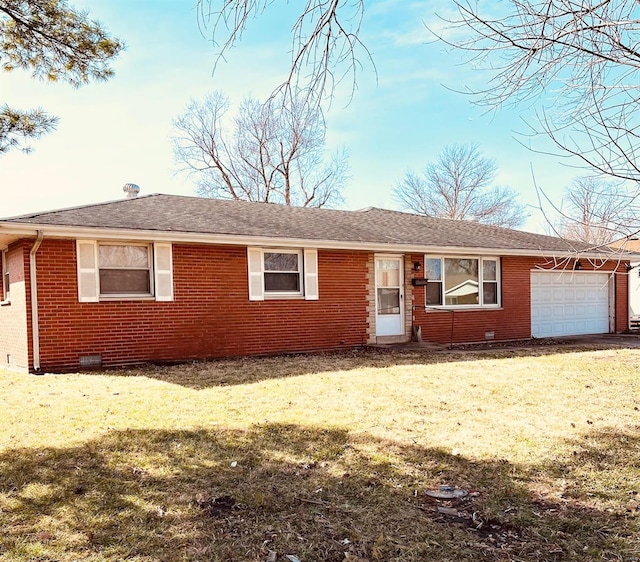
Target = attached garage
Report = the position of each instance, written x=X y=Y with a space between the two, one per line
x=569 y=303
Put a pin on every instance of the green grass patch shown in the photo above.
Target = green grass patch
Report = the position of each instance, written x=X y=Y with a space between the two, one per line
x=327 y=458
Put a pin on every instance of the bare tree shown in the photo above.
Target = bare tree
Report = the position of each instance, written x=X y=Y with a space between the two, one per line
x=326 y=45
x=578 y=61
x=54 y=42
x=596 y=211
x=271 y=152
x=458 y=186
x=581 y=58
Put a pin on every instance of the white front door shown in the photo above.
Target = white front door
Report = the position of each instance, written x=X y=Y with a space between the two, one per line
x=389 y=296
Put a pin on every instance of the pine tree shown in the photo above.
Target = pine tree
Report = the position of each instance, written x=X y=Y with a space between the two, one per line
x=54 y=42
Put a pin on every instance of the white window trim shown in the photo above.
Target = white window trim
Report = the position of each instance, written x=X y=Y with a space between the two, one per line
x=89 y=273
x=4 y=267
x=481 y=282
x=307 y=270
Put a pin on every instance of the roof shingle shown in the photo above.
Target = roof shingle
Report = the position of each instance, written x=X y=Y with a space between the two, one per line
x=180 y=214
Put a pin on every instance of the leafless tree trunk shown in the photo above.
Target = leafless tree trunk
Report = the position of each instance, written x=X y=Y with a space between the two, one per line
x=458 y=186
x=271 y=152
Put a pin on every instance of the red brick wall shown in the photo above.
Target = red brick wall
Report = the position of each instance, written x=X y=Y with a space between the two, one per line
x=513 y=319
x=14 y=334
x=211 y=315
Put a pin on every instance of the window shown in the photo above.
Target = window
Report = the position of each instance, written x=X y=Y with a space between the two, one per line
x=489 y=281
x=6 y=281
x=124 y=269
x=433 y=274
x=282 y=273
x=462 y=281
x=111 y=270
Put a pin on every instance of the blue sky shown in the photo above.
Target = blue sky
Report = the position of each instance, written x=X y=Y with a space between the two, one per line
x=119 y=131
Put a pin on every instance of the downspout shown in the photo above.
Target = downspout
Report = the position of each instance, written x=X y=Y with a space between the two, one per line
x=35 y=327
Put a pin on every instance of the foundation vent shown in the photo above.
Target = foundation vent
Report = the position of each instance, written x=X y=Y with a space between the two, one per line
x=90 y=360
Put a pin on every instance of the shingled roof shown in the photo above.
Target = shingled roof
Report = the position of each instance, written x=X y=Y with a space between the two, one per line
x=383 y=228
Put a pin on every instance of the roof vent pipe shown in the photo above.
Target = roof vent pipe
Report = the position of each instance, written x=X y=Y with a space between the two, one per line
x=131 y=189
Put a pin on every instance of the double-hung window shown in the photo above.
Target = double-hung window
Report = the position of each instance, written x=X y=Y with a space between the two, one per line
x=462 y=281
x=125 y=270
x=281 y=273
x=6 y=281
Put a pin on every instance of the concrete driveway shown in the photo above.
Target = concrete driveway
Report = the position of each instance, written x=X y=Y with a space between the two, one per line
x=621 y=340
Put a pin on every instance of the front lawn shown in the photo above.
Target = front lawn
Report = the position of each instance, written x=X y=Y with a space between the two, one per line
x=328 y=458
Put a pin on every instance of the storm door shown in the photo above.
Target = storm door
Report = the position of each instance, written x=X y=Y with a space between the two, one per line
x=389 y=296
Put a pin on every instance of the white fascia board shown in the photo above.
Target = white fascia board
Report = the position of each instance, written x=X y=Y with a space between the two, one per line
x=97 y=233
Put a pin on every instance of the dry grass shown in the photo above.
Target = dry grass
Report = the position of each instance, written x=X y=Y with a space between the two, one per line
x=327 y=458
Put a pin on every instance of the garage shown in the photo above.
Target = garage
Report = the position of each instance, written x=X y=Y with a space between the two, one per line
x=569 y=303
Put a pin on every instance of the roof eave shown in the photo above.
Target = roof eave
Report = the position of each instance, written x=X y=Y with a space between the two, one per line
x=10 y=232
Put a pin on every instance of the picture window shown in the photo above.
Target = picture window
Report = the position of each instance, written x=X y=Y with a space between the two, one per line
x=462 y=281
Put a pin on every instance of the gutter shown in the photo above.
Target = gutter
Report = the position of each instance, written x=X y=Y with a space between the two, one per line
x=35 y=326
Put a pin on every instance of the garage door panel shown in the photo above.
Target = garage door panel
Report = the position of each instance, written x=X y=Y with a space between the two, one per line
x=599 y=280
x=569 y=303
x=545 y=295
x=547 y=312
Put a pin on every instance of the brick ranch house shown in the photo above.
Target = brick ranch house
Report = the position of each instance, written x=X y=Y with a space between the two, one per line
x=165 y=278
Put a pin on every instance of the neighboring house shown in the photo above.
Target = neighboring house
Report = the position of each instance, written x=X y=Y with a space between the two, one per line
x=632 y=245
x=164 y=278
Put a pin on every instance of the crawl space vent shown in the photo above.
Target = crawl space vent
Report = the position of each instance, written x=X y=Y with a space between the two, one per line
x=91 y=360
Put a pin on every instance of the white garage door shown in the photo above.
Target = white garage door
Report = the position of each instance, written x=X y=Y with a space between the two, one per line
x=569 y=303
